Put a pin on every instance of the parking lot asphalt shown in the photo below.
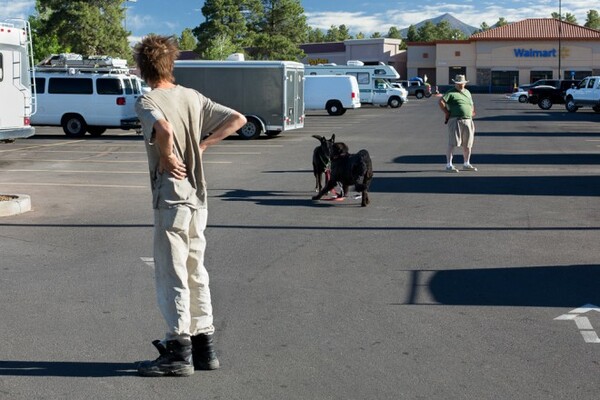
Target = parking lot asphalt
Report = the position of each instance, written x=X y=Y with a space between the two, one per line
x=476 y=285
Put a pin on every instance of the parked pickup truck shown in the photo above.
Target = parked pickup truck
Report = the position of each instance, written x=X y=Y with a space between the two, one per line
x=545 y=96
x=414 y=88
x=586 y=94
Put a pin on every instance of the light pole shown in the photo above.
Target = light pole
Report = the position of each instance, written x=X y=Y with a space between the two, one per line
x=559 y=36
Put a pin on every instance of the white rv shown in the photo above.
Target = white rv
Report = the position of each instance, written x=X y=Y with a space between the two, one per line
x=17 y=100
x=373 y=81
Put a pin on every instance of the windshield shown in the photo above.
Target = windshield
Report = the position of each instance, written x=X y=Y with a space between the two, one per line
x=382 y=83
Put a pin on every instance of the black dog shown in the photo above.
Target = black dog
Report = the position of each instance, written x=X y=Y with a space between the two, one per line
x=349 y=169
x=321 y=161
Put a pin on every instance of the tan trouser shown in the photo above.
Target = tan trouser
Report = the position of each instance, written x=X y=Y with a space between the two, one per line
x=182 y=287
x=461 y=132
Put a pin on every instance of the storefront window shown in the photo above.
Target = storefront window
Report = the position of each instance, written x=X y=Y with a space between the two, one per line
x=578 y=75
x=505 y=79
x=537 y=75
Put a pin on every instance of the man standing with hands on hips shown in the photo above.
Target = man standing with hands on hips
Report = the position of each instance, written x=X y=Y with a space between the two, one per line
x=179 y=124
x=457 y=105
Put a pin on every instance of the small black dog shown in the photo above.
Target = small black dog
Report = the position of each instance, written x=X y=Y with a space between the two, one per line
x=321 y=161
x=349 y=169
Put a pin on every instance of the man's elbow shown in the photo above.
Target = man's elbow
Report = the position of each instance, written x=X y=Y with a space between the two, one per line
x=239 y=120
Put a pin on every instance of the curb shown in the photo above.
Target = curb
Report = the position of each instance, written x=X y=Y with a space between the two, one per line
x=18 y=204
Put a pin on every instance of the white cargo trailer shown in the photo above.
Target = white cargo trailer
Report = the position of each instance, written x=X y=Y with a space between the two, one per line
x=269 y=93
x=17 y=99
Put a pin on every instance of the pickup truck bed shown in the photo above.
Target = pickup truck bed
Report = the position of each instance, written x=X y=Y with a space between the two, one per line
x=546 y=96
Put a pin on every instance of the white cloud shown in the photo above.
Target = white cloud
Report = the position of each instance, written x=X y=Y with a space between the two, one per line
x=16 y=9
x=472 y=13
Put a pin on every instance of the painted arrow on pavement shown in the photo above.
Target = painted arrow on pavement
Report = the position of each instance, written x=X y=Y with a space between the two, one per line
x=583 y=323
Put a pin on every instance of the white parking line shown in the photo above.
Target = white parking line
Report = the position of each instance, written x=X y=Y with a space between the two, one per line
x=87 y=160
x=54 y=171
x=41 y=145
x=28 y=184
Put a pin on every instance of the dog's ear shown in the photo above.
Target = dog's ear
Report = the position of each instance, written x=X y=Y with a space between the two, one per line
x=319 y=138
x=332 y=138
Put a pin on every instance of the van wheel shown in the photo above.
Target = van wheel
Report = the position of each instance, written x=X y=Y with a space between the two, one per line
x=394 y=102
x=96 y=131
x=74 y=125
x=250 y=130
x=334 y=107
x=419 y=95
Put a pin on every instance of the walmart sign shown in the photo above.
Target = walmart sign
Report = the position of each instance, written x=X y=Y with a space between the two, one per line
x=535 y=53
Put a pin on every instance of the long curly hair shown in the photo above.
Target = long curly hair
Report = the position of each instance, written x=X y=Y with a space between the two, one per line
x=155 y=56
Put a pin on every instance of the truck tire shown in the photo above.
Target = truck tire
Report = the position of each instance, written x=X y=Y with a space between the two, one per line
x=334 y=107
x=545 y=103
x=251 y=130
x=419 y=94
x=73 y=125
x=96 y=131
x=570 y=105
x=394 y=102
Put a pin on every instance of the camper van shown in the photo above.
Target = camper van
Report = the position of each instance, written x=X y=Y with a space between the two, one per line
x=334 y=93
x=269 y=93
x=373 y=81
x=17 y=99
x=86 y=94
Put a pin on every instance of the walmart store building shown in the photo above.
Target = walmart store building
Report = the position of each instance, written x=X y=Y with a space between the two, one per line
x=500 y=58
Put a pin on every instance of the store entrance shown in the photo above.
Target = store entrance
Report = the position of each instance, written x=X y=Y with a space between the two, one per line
x=507 y=80
x=537 y=75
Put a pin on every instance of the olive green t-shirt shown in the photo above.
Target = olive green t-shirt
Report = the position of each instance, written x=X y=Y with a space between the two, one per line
x=192 y=117
x=459 y=103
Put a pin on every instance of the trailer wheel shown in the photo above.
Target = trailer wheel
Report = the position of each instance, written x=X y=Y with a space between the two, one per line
x=250 y=130
x=394 y=102
x=96 y=131
x=73 y=125
x=333 y=107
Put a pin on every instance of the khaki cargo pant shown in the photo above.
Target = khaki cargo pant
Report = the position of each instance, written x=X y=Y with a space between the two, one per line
x=182 y=281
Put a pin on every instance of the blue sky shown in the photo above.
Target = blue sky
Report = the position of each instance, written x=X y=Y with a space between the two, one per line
x=173 y=16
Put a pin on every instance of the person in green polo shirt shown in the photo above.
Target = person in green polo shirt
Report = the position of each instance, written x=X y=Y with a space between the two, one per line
x=457 y=105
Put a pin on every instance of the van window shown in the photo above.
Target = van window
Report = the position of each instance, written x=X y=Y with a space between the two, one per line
x=70 y=86
x=380 y=72
x=109 y=86
x=128 y=86
x=40 y=85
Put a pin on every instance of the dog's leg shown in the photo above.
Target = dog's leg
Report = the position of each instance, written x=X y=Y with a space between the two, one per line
x=365 y=199
x=328 y=186
x=318 y=185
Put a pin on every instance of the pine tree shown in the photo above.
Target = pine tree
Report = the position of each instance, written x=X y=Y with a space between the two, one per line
x=394 y=33
x=412 y=35
x=280 y=31
x=226 y=26
x=187 y=41
x=87 y=27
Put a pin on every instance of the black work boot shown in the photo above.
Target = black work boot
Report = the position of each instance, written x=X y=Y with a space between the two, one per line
x=204 y=352
x=175 y=360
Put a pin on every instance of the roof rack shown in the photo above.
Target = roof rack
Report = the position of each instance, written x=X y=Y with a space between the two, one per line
x=76 y=63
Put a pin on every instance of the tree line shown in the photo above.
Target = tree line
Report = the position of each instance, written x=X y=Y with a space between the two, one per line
x=262 y=29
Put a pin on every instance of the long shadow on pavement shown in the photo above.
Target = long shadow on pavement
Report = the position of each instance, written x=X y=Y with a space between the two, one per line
x=63 y=368
x=542 y=286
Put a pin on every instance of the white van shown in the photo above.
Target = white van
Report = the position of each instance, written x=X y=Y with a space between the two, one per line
x=333 y=93
x=85 y=96
x=373 y=81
